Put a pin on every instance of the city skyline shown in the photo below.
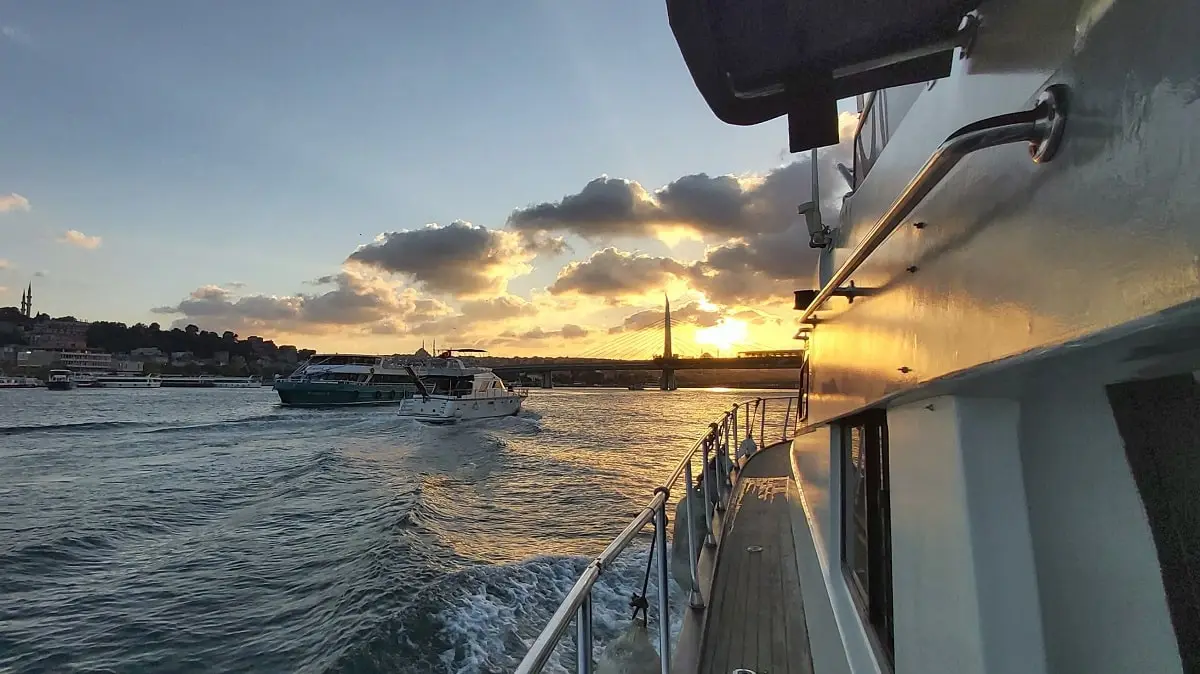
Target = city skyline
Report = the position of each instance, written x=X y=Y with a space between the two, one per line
x=366 y=179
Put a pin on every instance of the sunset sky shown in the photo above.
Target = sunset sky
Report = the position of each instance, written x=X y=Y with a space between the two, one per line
x=530 y=177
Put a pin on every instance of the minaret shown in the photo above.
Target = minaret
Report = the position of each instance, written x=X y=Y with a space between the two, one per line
x=27 y=301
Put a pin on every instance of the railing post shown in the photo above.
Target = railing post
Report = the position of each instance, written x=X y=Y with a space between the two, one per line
x=709 y=539
x=717 y=470
x=762 y=423
x=726 y=478
x=664 y=604
x=695 y=599
x=736 y=438
x=786 y=418
x=583 y=635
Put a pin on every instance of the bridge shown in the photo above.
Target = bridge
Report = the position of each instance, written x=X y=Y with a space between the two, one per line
x=621 y=355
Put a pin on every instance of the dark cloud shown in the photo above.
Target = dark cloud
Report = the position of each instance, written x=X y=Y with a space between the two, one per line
x=568 y=331
x=711 y=206
x=369 y=303
x=692 y=313
x=458 y=259
x=612 y=273
x=605 y=207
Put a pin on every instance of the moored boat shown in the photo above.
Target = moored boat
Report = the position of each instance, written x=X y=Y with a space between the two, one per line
x=253 y=381
x=20 y=382
x=61 y=380
x=185 y=381
x=128 y=381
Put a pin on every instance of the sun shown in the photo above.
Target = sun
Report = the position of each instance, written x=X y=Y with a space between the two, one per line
x=727 y=333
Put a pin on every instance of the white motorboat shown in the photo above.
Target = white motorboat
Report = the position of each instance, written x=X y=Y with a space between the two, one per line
x=449 y=391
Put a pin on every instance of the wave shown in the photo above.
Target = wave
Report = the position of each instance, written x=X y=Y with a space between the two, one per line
x=484 y=618
x=79 y=426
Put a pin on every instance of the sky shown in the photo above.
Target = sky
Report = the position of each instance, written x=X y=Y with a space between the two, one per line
x=531 y=177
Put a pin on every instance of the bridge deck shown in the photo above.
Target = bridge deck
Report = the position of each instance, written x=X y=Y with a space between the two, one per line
x=756 y=615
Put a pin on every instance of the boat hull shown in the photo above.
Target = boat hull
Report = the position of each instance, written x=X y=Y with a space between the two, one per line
x=328 y=394
x=447 y=410
x=60 y=385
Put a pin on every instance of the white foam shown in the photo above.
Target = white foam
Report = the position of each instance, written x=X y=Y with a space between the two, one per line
x=498 y=611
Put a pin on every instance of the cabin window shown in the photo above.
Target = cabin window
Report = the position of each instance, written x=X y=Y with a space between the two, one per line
x=866 y=530
x=1159 y=423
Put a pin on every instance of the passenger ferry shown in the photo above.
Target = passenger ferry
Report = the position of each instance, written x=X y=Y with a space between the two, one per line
x=999 y=421
x=449 y=391
x=128 y=381
x=346 y=379
x=61 y=380
x=253 y=381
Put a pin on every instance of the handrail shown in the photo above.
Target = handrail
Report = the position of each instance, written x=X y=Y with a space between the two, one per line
x=1041 y=127
x=577 y=605
x=859 y=151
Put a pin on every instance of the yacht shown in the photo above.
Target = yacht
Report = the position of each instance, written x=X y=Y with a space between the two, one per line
x=346 y=379
x=61 y=380
x=449 y=391
x=128 y=381
x=994 y=464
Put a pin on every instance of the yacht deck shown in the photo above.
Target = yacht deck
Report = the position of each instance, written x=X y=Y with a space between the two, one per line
x=756 y=615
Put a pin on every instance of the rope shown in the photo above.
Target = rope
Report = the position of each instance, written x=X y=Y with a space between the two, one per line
x=638 y=602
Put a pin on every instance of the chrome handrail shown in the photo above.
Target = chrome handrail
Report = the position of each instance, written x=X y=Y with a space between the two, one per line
x=749 y=416
x=1041 y=127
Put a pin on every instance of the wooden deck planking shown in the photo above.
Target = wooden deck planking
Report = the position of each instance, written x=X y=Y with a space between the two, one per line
x=756 y=614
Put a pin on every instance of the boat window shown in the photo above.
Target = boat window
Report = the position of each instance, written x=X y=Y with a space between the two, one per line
x=866 y=529
x=1159 y=423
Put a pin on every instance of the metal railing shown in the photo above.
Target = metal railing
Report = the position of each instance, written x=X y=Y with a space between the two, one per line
x=767 y=420
x=1040 y=127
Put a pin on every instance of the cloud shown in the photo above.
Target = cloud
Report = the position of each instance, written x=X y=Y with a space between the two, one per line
x=13 y=202
x=759 y=244
x=693 y=313
x=569 y=331
x=612 y=273
x=16 y=34
x=74 y=237
x=371 y=304
x=4 y=263
x=41 y=273
x=712 y=207
x=460 y=259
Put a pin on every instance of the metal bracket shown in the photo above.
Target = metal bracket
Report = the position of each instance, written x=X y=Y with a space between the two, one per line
x=1052 y=102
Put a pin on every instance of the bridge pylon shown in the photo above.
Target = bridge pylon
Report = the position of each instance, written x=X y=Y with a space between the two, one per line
x=667 y=381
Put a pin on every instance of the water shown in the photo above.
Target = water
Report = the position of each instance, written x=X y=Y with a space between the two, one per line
x=214 y=531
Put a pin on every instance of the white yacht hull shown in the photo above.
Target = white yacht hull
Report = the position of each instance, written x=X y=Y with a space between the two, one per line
x=447 y=410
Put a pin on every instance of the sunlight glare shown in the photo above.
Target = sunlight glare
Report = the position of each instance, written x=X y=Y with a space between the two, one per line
x=725 y=334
